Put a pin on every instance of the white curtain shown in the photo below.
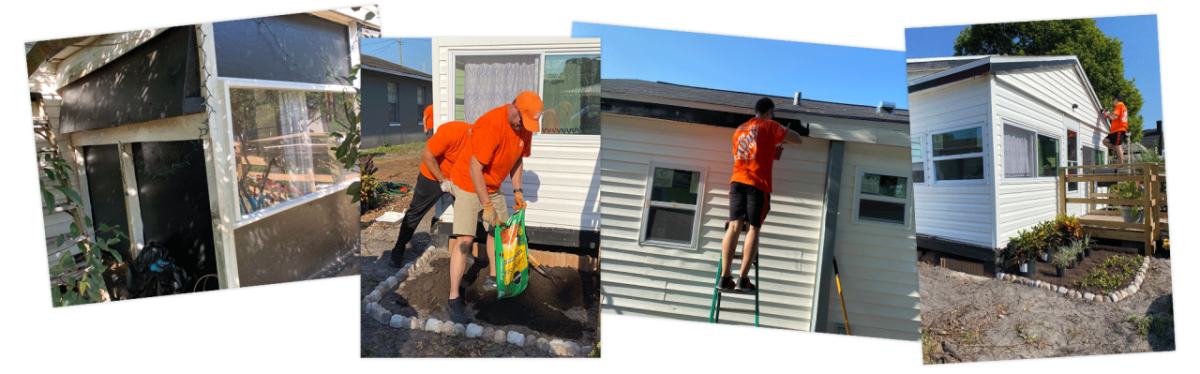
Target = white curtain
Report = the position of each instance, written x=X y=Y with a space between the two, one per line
x=492 y=81
x=294 y=147
x=1018 y=152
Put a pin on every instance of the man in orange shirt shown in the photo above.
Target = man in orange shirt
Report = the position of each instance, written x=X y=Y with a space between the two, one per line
x=754 y=148
x=1118 y=131
x=496 y=147
x=429 y=120
x=437 y=160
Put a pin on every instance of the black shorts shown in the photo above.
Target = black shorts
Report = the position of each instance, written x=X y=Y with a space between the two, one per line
x=1116 y=138
x=748 y=203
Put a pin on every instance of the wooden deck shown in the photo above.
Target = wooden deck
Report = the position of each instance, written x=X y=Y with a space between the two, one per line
x=1109 y=223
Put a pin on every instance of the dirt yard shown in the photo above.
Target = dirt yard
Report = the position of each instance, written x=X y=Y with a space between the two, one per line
x=566 y=311
x=968 y=318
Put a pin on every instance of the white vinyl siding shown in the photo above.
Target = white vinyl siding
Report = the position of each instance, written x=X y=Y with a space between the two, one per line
x=665 y=281
x=959 y=212
x=877 y=262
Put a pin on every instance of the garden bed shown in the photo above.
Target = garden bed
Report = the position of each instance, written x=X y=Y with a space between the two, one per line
x=1046 y=272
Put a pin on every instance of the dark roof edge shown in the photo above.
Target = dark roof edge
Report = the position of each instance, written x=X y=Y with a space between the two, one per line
x=986 y=68
x=777 y=109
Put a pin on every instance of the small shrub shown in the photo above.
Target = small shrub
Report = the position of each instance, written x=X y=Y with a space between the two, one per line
x=1111 y=274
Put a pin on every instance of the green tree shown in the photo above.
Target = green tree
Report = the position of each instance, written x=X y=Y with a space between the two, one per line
x=1099 y=54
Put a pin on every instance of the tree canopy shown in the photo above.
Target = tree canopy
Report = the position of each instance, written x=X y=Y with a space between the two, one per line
x=1099 y=54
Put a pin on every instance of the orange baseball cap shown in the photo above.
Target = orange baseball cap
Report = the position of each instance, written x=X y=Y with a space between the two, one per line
x=530 y=106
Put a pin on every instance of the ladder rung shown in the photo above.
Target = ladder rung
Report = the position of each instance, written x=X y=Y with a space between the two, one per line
x=735 y=292
x=737 y=310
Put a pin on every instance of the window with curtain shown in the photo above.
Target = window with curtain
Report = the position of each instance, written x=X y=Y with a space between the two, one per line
x=1018 y=152
x=482 y=83
x=571 y=95
x=958 y=155
x=393 y=101
x=282 y=146
x=918 y=157
x=673 y=209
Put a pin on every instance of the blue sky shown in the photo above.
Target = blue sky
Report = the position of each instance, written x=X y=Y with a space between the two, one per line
x=1139 y=41
x=417 y=51
x=821 y=72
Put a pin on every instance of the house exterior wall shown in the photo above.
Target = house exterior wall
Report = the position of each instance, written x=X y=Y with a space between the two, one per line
x=1040 y=100
x=652 y=280
x=877 y=262
x=563 y=173
x=408 y=127
x=963 y=212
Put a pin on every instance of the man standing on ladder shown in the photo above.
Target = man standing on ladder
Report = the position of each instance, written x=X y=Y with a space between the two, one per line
x=756 y=144
x=1118 y=131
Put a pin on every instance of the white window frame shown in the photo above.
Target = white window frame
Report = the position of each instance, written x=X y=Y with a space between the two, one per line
x=1066 y=158
x=1036 y=157
x=932 y=160
x=924 y=158
x=859 y=172
x=390 y=124
x=228 y=84
x=699 y=206
x=454 y=54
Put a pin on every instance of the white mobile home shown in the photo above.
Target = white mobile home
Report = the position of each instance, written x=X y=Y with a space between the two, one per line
x=562 y=175
x=210 y=140
x=988 y=136
x=844 y=192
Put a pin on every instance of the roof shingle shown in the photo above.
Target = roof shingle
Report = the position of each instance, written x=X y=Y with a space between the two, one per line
x=807 y=106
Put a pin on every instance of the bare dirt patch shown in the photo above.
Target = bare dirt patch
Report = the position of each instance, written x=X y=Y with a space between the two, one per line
x=967 y=318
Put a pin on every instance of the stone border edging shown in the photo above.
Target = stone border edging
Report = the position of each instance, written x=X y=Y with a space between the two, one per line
x=1112 y=297
x=557 y=347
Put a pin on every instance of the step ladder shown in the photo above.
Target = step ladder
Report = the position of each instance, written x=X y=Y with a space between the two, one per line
x=714 y=312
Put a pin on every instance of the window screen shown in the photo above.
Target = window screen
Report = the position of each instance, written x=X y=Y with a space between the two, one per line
x=1048 y=156
x=571 y=95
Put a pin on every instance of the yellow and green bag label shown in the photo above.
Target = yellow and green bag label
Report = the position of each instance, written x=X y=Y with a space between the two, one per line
x=512 y=259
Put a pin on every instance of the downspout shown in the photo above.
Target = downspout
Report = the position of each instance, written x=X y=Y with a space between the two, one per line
x=825 y=246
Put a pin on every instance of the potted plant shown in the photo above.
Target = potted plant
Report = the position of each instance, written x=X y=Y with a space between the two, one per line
x=1085 y=246
x=1129 y=190
x=1024 y=248
x=1063 y=258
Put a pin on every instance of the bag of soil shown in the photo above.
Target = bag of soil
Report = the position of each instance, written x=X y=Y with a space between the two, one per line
x=512 y=260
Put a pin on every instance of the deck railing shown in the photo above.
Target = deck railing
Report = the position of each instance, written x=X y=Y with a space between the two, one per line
x=1109 y=224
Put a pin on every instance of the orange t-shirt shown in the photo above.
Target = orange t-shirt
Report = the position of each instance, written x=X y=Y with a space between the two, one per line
x=754 y=145
x=496 y=145
x=445 y=146
x=429 y=118
x=1121 y=123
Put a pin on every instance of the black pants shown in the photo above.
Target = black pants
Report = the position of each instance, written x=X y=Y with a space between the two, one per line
x=427 y=194
x=748 y=203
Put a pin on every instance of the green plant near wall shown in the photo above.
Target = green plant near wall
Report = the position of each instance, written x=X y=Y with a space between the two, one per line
x=1129 y=190
x=72 y=283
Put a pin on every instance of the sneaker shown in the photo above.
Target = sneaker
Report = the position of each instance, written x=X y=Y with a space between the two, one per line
x=489 y=284
x=455 y=307
x=744 y=285
x=726 y=284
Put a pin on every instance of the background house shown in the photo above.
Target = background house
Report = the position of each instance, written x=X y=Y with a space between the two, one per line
x=393 y=102
x=988 y=136
x=665 y=169
x=561 y=180
x=210 y=140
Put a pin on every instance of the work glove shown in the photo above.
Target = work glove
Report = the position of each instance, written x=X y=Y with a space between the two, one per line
x=520 y=201
x=489 y=215
x=447 y=187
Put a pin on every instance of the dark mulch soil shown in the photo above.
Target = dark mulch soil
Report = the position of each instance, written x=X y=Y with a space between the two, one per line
x=1046 y=271
x=563 y=310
